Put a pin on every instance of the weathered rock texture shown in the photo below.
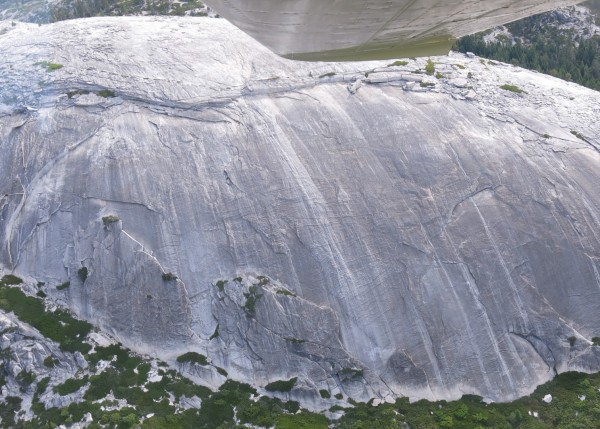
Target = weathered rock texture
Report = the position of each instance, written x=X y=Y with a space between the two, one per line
x=439 y=235
x=24 y=351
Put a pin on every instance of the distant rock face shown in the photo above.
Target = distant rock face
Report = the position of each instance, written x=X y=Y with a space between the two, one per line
x=419 y=235
x=317 y=30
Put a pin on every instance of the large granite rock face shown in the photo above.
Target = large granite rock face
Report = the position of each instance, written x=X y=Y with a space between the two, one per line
x=419 y=236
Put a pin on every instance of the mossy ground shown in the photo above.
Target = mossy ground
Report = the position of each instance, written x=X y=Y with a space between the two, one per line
x=575 y=404
x=58 y=325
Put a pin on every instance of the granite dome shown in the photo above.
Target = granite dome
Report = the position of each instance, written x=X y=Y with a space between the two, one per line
x=418 y=235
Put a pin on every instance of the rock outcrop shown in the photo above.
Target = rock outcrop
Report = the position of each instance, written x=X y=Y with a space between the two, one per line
x=422 y=235
x=27 y=358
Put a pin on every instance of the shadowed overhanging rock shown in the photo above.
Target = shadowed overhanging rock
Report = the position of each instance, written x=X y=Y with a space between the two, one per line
x=358 y=30
x=434 y=236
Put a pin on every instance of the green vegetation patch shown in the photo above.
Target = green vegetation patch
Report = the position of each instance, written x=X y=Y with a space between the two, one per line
x=193 y=357
x=109 y=220
x=82 y=273
x=71 y=94
x=578 y=135
x=324 y=394
x=512 y=88
x=251 y=298
x=122 y=382
x=180 y=9
x=49 y=66
x=430 y=67
x=120 y=357
x=307 y=420
x=262 y=280
x=398 y=63
x=575 y=404
x=10 y=279
x=63 y=286
x=50 y=362
x=285 y=292
x=25 y=378
x=281 y=385
x=350 y=374
x=85 y=8
x=221 y=285
x=264 y=412
x=59 y=325
x=71 y=385
x=216 y=412
x=566 y=410
x=169 y=277
x=41 y=388
x=215 y=334
x=106 y=93
x=542 y=47
x=9 y=409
